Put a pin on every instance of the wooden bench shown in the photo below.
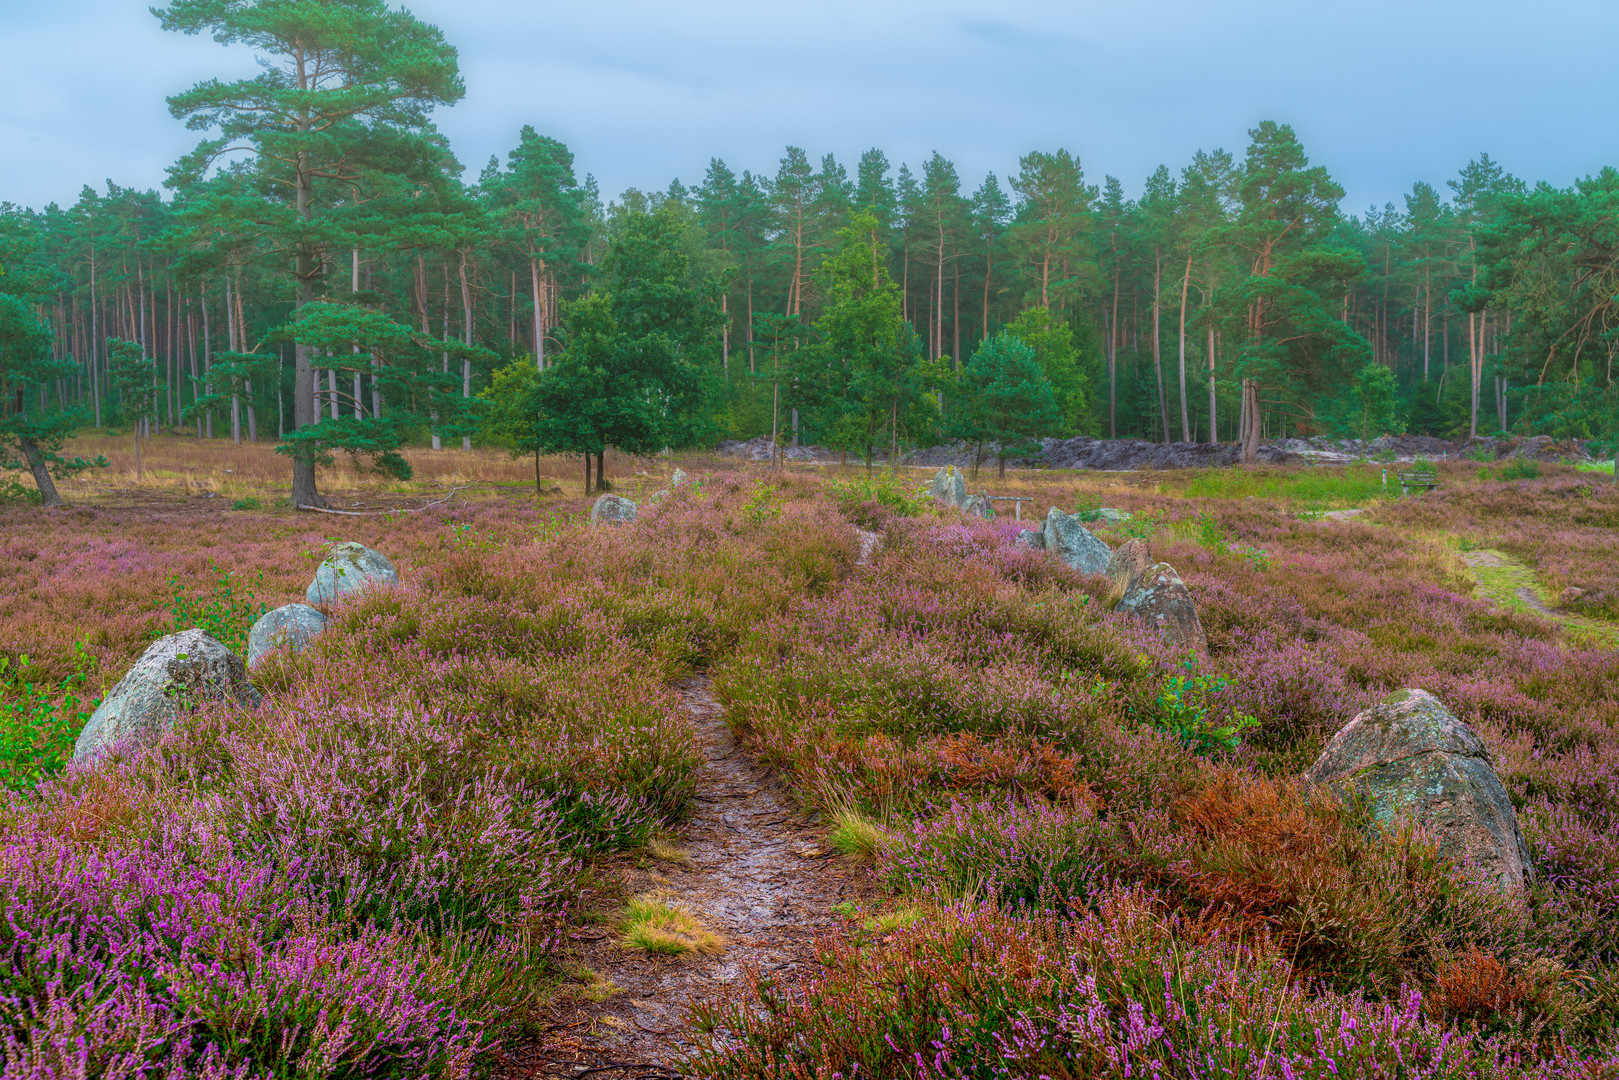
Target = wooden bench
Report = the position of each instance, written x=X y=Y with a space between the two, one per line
x=1019 y=499
x=1420 y=481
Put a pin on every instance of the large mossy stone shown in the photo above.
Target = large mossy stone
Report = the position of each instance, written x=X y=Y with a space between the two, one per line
x=1067 y=538
x=349 y=568
x=1160 y=598
x=1413 y=760
x=949 y=487
x=1130 y=560
x=612 y=510
x=292 y=626
x=174 y=675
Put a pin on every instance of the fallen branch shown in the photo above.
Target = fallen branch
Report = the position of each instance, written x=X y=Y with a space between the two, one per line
x=379 y=513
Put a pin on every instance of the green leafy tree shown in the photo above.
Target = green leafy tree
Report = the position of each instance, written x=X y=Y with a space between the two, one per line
x=133 y=373
x=1053 y=221
x=339 y=106
x=1295 y=345
x=1371 y=407
x=29 y=437
x=1062 y=365
x=539 y=201
x=1006 y=400
x=514 y=416
x=865 y=364
x=630 y=373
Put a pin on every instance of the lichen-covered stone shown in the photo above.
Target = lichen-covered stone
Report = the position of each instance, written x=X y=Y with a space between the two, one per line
x=1129 y=562
x=292 y=626
x=979 y=506
x=1412 y=759
x=1109 y=515
x=949 y=487
x=1160 y=597
x=1067 y=538
x=349 y=568
x=174 y=674
x=678 y=478
x=1031 y=538
x=611 y=510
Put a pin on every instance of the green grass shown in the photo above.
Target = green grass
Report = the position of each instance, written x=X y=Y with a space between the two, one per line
x=1597 y=467
x=1315 y=487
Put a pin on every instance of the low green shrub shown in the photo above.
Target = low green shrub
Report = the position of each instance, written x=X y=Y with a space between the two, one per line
x=225 y=612
x=40 y=720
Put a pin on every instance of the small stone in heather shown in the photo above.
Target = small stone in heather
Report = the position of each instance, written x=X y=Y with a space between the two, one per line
x=1411 y=758
x=1068 y=539
x=1110 y=516
x=678 y=478
x=1161 y=598
x=1129 y=562
x=349 y=568
x=1571 y=595
x=979 y=506
x=174 y=674
x=949 y=487
x=611 y=510
x=1031 y=538
x=293 y=626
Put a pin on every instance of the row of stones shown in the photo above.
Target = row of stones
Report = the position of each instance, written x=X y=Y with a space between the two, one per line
x=180 y=670
x=1409 y=757
x=1153 y=592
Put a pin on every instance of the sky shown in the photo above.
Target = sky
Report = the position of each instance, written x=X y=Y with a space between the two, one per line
x=1383 y=93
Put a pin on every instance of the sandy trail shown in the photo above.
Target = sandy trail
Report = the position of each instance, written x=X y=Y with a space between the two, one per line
x=759 y=874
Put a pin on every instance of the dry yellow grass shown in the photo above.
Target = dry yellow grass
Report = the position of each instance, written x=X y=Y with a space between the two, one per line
x=655 y=923
x=183 y=464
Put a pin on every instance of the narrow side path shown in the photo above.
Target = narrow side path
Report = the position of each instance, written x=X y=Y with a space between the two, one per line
x=1509 y=582
x=757 y=874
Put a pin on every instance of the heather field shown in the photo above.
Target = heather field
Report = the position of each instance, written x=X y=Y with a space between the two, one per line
x=464 y=833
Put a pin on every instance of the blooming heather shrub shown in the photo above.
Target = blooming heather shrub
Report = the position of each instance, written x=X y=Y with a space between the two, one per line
x=1013 y=852
x=186 y=954
x=867 y=691
x=368 y=874
x=1124 y=992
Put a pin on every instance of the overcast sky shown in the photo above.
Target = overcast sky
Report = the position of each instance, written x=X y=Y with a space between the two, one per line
x=1383 y=92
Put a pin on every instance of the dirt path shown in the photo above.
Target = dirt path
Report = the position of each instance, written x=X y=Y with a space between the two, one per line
x=757 y=873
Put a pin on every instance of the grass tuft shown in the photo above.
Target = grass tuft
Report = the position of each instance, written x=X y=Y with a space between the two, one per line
x=654 y=923
x=665 y=848
x=856 y=835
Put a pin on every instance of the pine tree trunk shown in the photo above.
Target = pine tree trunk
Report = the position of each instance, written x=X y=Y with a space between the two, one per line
x=1475 y=364
x=1113 y=353
x=466 y=339
x=1186 y=416
x=1214 y=403
x=48 y=495
x=304 y=493
x=1157 y=362
x=1251 y=412
x=539 y=319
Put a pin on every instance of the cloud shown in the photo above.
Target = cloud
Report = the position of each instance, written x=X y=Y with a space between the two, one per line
x=1383 y=92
